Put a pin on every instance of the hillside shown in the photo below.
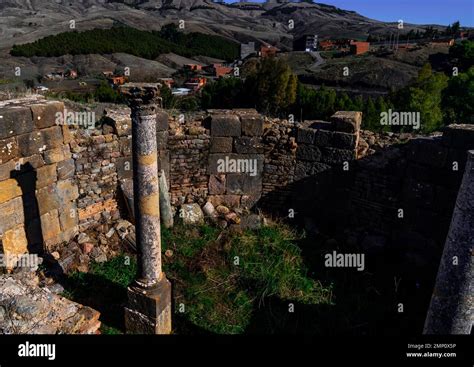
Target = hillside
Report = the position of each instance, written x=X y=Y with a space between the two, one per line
x=24 y=21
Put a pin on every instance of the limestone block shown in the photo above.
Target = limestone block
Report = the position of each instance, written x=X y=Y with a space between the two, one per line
x=252 y=125
x=54 y=155
x=305 y=135
x=46 y=175
x=191 y=214
x=221 y=144
x=240 y=184
x=67 y=191
x=235 y=163
x=225 y=125
x=308 y=153
x=66 y=169
x=44 y=115
x=9 y=189
x=347 y=121
x=11 y=214
x=15 y=121
x=8 y=149
x=344 y=140
x=124 y=167
x=217 y=184
x=149 y=310
x=47 y=199
x=323 y=138
x=14 y=241
x=161 y=121
x=50 y=227
x=68 y=217
x=248 y=145
x=335 y=156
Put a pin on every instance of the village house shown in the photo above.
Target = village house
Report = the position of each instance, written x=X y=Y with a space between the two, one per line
x=193 y=67
x=218 y=70
x=196 y=84
x=442 y=42
x=359 y=48
x=268 y=51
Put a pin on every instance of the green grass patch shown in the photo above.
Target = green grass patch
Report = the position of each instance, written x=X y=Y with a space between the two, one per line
x=220 y=279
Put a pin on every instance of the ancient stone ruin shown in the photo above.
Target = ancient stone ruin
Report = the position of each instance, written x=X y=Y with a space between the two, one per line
x=70 y=193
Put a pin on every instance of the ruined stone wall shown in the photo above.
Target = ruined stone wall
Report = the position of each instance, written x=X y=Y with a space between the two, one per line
x=408 y=191
x=56 y=181
x=38 y=191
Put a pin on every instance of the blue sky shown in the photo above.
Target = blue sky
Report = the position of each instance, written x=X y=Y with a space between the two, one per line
x=411 y=11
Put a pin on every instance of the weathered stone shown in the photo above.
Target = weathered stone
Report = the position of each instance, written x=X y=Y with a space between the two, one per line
x=165 y=202
x=9 y=189
x=124 y=167
x=305 y=135
x=344 y=140
x=248 y=145
x=31 y=143
x=209 y=211
x=11 y=214
x=252 y=125
x=308 y=153
x=225 y=125
x=452 y=303
x=243 y=184
x=162 y=140
x=8 y=149
x=50 y=227
x=335 y=156
x=323 y=138
x=161 y=121
x=46 y=175
x=191 y=214
x=221 y=144
x=66 y=169
x=68 y=217
x=235 y=163
x=217 y=184
x=54 y=155
x=232 y=201
x=44 y=115
x=347 y=121
x=15 y=121
x=14 y=241
x=149 y=311
x=48 y=199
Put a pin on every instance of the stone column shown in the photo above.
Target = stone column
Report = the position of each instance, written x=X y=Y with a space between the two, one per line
x=452 y=304
x=149 y=297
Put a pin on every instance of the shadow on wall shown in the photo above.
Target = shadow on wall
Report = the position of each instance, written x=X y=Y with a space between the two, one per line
x=27 y=177
x=358 y=211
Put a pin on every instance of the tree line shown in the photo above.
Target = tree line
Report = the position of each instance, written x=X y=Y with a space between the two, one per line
x=148 y=45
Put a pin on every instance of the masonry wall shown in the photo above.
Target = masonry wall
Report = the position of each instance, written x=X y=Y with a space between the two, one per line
x=38 y=191
x=57 y=181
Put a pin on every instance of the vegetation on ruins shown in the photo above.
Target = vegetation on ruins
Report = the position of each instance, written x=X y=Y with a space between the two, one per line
x=148 y=45
x=220 y=278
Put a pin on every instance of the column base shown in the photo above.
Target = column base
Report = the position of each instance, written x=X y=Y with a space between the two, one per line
x=149 y=309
